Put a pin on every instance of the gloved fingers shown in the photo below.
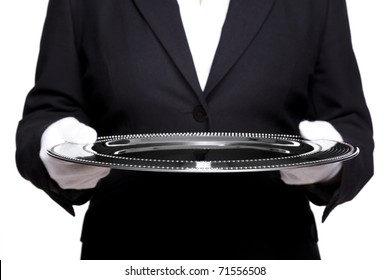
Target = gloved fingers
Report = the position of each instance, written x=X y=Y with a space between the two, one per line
x=310 y=175
x=74 y=176
x=83 y=182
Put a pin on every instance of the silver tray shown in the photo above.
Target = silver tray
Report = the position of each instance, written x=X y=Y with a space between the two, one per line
x=204 y=152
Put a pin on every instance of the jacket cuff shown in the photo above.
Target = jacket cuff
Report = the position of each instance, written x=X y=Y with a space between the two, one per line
x=67 y=198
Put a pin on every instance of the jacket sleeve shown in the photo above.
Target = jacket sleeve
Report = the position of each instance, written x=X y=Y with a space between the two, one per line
x=58 y=93
x=336 y=96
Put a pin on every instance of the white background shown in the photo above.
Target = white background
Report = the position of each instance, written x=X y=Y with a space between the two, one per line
x=39 y=237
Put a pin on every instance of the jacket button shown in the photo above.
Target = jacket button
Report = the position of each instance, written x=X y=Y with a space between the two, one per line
x=199 y=114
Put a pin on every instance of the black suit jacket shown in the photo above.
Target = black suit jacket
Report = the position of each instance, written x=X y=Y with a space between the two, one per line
x=124 y=66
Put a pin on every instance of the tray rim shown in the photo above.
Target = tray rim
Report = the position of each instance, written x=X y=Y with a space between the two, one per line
x=147 y=164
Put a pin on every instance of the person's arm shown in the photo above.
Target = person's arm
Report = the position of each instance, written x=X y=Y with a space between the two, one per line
x=57 y=94
x=336 y=96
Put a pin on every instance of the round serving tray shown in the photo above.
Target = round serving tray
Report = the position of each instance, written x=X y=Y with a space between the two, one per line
x=204 y=152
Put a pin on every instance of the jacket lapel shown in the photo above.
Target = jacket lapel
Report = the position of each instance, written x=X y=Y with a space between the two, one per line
x=164 y=19
x=243 y=22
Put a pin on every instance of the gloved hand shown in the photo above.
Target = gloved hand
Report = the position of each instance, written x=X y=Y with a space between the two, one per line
x=314 y=130
x=70 y=175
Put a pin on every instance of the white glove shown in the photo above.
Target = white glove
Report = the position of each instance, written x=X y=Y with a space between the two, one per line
x=70 y=175
x=315 y=130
